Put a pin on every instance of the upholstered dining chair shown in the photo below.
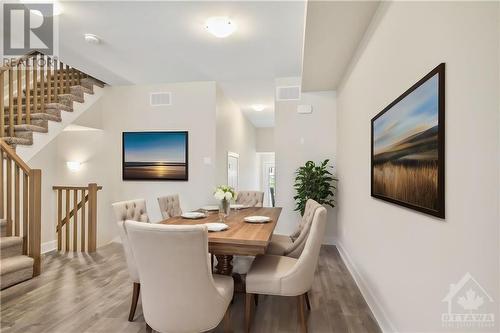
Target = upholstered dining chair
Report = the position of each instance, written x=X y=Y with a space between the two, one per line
x=170 y=206
x=285 y=276
x=292 y=246
x=250 y=198
x=179 y=291
x=130 y=210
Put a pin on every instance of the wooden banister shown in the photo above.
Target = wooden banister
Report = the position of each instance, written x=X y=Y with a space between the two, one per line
x=20 y=202
x=74 y=199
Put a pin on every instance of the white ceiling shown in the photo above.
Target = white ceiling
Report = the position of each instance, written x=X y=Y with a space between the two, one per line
x=334 y=30
x=160 y=42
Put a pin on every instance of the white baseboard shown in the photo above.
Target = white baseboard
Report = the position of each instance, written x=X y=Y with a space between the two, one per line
x=378 y=312
x=49 y=246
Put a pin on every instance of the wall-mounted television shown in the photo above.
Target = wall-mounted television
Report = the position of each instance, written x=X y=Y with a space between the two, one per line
x=155 y=155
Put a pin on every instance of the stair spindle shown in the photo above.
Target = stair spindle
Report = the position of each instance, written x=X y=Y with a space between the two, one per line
x=1 y=185
x=25 y=212
x=35 y=84
x=75 y=220
x=49 y=80
x=82 y=241
x=67 y=220
x=42 y=84
x=2 y=104
x=27 y=89
x=67 y=79
x=9 y=196
x=19 y=95
x=61 y=83
x=11 y=102
x=59 y=218
x=17 y=192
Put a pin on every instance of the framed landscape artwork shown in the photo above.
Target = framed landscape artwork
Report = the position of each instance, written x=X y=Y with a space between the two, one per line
x=155 y=156
x=407 y=150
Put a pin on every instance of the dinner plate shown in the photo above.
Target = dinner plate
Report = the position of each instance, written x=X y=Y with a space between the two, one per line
x=193 y=215
x=216 y=226
x=210 y=208
x=257 y=219
x=238 y=206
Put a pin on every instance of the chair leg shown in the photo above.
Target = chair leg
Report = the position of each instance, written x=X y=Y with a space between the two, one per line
x=248 y=311
x=307 y=302
x=301 y=316
x=135 y=298
x=227 y=321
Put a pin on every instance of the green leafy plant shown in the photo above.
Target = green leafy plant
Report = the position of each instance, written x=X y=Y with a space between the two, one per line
x=314 y=182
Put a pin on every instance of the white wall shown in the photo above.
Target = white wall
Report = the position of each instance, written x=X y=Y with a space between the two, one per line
x=297 y=139
x=265 y=139
x=235 y=133
x=405 y=260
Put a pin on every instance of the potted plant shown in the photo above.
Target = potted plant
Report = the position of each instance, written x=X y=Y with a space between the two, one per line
x=224 y=194
x=314 y=182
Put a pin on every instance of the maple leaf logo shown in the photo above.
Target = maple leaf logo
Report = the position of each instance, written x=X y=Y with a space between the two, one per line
x=470 y=301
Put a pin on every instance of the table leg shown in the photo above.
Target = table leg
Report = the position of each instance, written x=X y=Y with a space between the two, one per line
x=224 y=264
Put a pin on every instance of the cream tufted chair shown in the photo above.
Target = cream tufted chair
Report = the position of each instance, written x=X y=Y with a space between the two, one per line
x=130 y=210
x=179 y=292
x=292 y=246
x=250 y=198
x=170 y=206
x=285 y=276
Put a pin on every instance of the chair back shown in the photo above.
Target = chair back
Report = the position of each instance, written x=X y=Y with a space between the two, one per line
x=250 y=198
x=129 y=210
x=299 y=237
x=178 y=290
x=170 y=206
x=299 y=280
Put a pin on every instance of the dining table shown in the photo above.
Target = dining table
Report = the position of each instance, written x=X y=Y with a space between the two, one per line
x=241 y=238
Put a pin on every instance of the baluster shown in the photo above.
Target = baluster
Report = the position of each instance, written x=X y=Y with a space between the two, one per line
x=25 y=212
x=17 y=191
x=59 y=218
x=82 y=242
x=1 y=185
x=2 y=105
x=49 y=79
x=67 y=220
x=27 y=82
x=11 y=103
x=61 y=86
x=35 y=84
x=73 y=73
x=9 y=196
x=35 y=210
x=67 y=79
x=75 y=220
x=19 y=95
x=79 y=78
x=42 y=84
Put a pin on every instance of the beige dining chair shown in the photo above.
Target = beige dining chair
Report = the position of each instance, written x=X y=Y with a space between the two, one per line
x=292 y=246
x=250 y=198
x=179 y=292
x=130 y=210
x=170 y=206
x=285 y=276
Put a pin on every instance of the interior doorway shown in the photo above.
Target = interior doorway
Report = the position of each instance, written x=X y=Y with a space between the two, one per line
x=233 y=169
x=268 y=178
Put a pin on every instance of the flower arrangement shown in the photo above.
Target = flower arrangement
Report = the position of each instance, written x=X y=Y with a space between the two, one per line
x=224 y=194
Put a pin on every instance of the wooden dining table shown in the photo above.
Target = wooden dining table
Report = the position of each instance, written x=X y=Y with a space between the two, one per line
x=241 y=238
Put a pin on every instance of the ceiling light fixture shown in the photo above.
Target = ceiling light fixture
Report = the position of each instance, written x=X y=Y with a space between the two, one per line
x=74 y=166
x=258 y=107
x=92 y=39
x=220 y=26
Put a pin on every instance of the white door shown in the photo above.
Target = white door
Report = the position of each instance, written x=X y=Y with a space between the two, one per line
x=232 y=169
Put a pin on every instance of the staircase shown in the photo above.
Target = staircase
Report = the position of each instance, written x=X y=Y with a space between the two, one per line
x=35 y=91
x=39 y=96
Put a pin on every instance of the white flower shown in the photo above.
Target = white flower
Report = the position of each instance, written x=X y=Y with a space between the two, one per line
x=229 y=196
x=219 y=194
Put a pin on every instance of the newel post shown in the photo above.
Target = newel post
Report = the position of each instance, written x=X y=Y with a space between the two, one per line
x=92 y=239
x=35 y=218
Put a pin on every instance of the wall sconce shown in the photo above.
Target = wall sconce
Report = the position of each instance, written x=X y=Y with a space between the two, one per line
x=74 y=166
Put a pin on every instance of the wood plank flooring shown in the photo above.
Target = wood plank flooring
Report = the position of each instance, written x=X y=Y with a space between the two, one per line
x=91 y=293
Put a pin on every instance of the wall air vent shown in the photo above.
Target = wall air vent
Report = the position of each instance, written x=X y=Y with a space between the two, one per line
x=160 y=98
x=288 y=93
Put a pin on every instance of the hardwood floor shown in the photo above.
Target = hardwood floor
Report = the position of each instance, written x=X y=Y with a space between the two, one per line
x=92 y=293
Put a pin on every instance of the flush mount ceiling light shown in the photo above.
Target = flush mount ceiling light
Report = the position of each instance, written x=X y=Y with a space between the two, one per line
x=92 y=39
x=74 y=166
x=258 y=107
x=220 y=26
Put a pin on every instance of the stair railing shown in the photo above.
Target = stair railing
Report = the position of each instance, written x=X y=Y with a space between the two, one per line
x=28 y=83
x=75 y=199
x=20 y=202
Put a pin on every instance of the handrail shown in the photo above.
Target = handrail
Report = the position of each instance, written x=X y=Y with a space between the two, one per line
x=12 y=154
x=61 y=187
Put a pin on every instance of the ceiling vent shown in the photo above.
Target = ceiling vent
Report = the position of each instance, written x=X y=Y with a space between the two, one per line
x=288 y=93
x=160 y=98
